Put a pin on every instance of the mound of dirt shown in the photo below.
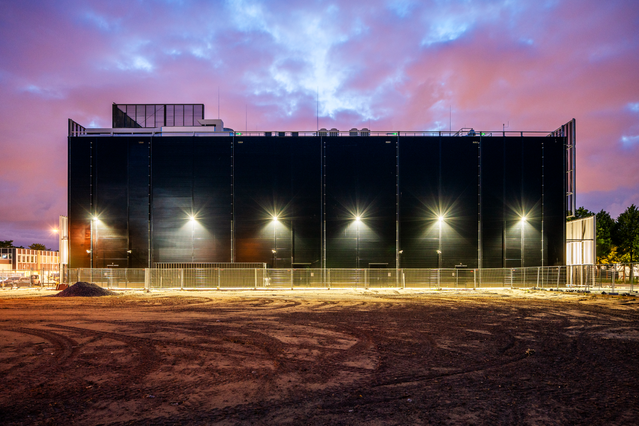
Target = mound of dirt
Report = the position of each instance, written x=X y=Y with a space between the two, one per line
x=82 y=289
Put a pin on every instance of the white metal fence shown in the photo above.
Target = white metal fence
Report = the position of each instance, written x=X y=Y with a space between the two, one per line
x=581 y=277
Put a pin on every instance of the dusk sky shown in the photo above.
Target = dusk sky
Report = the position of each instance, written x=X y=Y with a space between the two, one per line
x=387 y=65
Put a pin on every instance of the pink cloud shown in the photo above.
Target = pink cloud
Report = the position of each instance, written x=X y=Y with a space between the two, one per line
x=395 y=65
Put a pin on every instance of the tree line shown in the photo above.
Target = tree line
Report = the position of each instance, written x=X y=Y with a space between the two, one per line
x=617 y=240
x=9 y=244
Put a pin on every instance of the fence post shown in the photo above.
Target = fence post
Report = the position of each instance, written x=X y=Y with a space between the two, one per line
x=558 y=275
x=439 y=274
x=538 y=273
x=474 y=278
x=147 y=279
x=365 y=279
x=511 y=277
x=181 y=279
x=255 y=287
x=632 y=276
x=219 y=278
x=403 y=279
x=291 y=278
x=614 y=272
x=328 y=275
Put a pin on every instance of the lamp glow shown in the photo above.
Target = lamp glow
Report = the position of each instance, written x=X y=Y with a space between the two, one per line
x=95 y=218
x=275 y=219
x=523 y=219
x=358 y=219
x=440 y=219
x=192 y=218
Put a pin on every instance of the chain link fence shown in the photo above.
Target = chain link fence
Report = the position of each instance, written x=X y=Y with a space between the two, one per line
x=609 y=278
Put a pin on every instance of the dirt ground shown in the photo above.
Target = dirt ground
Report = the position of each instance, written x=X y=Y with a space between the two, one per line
x=322 y=357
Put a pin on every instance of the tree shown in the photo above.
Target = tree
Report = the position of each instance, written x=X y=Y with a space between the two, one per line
x=627 y=232
x=6 y=243
x=605 y=229
x=36 y=246
x=580 y=213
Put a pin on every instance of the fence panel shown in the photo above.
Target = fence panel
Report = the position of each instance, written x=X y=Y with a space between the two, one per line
x=422 y=278
x=346 y=278
x=622 y=277
x=308 y=278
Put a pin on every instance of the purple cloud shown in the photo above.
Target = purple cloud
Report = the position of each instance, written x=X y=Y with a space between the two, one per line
x=385 y=64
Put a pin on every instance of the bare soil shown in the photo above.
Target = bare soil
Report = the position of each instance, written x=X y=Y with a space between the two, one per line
x=322 y=357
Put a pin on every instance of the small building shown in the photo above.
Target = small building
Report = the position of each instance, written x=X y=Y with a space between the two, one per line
x=21 y=259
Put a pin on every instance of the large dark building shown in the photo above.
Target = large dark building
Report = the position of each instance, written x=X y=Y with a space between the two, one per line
x=165 y=185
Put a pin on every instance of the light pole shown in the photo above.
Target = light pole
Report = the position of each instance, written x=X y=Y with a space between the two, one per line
x=275 y=219
x=91 y=251
x=357 y=221
x=439 y=245
x=192 y=220
x=523 y=239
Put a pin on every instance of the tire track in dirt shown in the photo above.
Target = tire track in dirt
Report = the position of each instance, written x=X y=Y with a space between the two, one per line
x=148 y=358
x=47 y=365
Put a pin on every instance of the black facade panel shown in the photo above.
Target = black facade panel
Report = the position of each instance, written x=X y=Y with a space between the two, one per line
x=531 y=200
x=360 y=181
x=554 y=200
x=419 y=169
x=277 y=178
x=79 y=201
x=191 y=179
x=138 y=201
x=459 y=201
x=110 y=241
x=134 y=184
x=492 y=194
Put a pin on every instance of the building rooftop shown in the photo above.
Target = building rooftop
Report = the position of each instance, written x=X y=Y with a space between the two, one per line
x=188 y=120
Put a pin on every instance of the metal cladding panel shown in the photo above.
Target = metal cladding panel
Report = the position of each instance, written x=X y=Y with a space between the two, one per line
x=360 y=181
x=110 y=237
x=277 y=177
x=554 y=201
x=79 y=201
x=492 y=215
x=247 y=180
x=191 y=177
x=138 y=201
x=305 y=208
x=531 y=200
x=419 y=206
x=459 y=201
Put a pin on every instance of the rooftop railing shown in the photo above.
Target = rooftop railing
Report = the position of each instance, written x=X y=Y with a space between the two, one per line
x=204 y=131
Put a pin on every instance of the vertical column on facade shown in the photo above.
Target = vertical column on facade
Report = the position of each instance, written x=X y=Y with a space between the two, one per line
x=91 y=206
x=397 y=247
x=440 y=255
x=479 y=194
x=522 y=197
x=233 y=198
x=128 y=202
x=503 y=202
x=543 y=207
x=323 y=206
x=149 y=230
